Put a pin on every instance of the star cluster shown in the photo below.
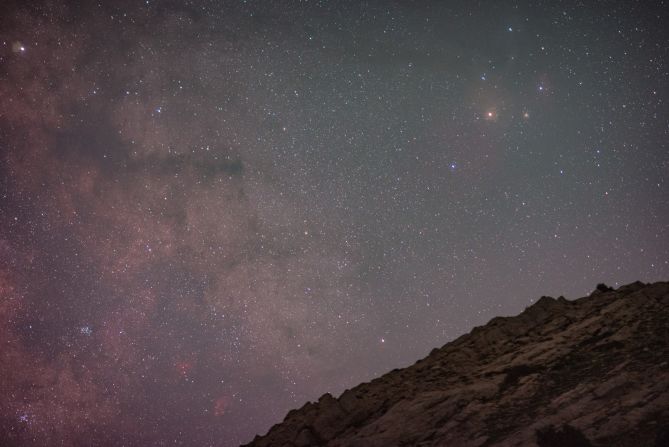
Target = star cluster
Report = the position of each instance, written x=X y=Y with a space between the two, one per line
x=212 y=212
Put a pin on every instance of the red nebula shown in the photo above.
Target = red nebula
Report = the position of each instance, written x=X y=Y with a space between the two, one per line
x=183 y=367
x=220 y=405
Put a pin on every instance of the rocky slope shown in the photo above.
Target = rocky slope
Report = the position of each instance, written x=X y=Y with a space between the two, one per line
x=589 y=372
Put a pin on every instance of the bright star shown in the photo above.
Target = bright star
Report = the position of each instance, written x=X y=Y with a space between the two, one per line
x=18 y=47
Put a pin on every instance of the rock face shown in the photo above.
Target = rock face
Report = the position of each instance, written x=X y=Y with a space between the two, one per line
x=589 y=372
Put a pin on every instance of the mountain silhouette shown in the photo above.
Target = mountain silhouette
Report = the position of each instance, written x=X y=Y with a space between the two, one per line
x=588 y=372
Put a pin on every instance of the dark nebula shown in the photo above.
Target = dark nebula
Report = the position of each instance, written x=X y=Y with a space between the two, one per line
x=212 y=212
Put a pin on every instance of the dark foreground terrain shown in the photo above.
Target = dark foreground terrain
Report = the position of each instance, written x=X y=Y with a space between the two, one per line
x=589 y=372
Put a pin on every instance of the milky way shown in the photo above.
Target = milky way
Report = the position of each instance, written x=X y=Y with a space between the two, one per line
x=212 y=212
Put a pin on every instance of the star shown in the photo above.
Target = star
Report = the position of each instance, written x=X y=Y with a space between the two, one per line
x=490 y=115
x=18 y=47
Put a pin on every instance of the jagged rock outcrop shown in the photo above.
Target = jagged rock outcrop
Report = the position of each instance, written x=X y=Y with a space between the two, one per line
x=589 y=372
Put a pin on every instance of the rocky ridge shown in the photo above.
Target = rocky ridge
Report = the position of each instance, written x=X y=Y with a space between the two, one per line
x=588 y=372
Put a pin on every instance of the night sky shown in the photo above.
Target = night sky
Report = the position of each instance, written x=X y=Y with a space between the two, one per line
x=212 y=212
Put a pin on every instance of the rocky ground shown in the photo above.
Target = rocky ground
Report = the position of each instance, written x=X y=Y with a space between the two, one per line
x=588 y=372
